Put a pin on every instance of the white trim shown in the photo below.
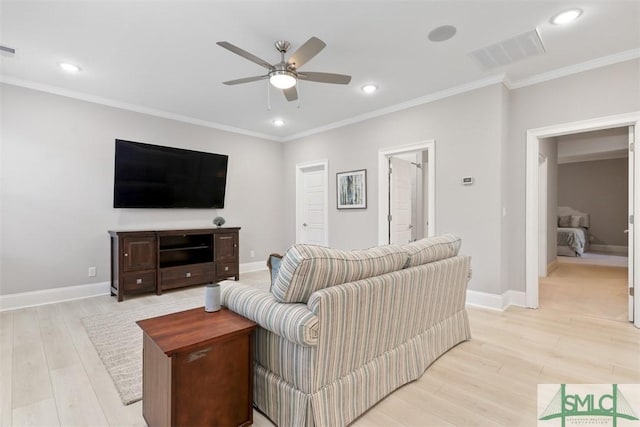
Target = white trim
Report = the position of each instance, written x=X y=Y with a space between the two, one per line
x=495 y=301
x=533 y=137
x=70 y=293
x=132 y=107
x=456 y=90
x=516 y=298
x=574 y=69
x=249 y=267
x=324 y=163
x=612 y=249
x=383 y=185
x=478 y=84
x=543 y=171
x=50 y=296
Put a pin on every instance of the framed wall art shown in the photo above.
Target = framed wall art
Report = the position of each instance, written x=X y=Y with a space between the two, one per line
x=352 y=189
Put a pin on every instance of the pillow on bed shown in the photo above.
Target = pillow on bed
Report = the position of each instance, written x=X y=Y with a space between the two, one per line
x=564 y=221
x=575 y=221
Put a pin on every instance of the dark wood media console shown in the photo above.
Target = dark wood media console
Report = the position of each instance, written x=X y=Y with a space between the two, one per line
x=147 y=261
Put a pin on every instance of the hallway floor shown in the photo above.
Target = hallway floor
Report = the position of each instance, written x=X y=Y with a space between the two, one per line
x=591 y=290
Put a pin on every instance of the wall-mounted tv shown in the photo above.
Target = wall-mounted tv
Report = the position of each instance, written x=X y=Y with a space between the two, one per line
x=153 y=176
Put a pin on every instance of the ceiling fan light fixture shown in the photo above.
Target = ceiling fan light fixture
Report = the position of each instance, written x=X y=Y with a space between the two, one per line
x=282 y=79
x=566 y=17
x=278 y=122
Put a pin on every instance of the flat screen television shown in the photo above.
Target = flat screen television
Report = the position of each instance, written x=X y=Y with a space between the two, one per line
x=153 y=176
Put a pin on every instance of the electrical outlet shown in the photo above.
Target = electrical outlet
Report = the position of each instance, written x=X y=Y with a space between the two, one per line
x=92 y=272
x=252 y=253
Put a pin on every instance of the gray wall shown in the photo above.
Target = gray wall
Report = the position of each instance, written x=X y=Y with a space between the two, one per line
x=480 y=133
x=599 y=188
x=467 y=130
x=605 y=91
x=549 y=148
x=49 y=238
x=57 y=187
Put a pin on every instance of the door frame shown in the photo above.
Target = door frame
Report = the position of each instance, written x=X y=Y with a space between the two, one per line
x=533 y=137
x=543 y=170
x=300 y=167
x=383 y=185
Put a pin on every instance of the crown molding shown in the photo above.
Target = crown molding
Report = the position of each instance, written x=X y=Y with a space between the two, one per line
x=502 y=78
x=132 y=107
x=467 y=87
x=616 y=58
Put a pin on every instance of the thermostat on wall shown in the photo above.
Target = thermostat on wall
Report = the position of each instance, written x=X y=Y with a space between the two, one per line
x=467 y=180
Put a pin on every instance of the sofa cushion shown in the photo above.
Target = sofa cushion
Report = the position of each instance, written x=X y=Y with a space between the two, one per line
x=306 y=268
x=432 y=249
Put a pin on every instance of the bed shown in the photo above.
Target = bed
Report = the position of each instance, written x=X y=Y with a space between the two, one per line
x=573 y=231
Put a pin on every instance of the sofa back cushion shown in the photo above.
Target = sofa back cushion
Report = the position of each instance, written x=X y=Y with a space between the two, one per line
x=307 y=268
x=432 y=249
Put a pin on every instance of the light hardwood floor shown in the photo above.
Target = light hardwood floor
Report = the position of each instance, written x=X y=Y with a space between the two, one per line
x=50 y=374
x=592 y=290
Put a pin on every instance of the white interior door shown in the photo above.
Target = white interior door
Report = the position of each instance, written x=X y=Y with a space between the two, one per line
x=312 y=199
x=631 y=220
x=400 y=201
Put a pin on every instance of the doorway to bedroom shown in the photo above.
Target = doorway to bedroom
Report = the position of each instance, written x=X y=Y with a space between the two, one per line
x=406 y=192
x=584 y=201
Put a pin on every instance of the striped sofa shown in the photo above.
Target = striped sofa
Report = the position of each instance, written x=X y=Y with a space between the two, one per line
x=340 y=330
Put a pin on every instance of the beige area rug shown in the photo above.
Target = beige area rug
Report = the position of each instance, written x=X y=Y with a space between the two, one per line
x=118 y=341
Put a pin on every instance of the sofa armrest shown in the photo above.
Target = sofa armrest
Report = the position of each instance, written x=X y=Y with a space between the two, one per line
x=295 y=322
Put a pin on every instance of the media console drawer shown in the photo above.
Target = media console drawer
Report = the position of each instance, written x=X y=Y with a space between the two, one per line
x=226 y=269
x=139 y=281
x=194 y=274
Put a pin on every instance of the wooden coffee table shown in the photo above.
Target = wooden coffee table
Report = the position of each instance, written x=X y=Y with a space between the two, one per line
x=197 y=369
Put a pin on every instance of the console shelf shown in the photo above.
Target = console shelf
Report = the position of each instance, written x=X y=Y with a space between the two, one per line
x=147 y=261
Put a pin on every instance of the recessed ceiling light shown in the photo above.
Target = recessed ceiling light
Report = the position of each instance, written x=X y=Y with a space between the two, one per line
x=278 y=122
x=369 y=88
x=71 y=68
x=442 y=33
x=566 y=16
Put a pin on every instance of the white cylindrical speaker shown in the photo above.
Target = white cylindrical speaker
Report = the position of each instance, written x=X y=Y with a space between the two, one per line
x=212 y=297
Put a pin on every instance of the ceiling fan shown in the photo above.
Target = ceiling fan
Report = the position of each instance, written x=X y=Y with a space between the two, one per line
x=285 y=74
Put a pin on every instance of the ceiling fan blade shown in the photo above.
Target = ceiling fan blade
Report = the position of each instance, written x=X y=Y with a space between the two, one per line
x=251 y=57
x=291 y=94
x=245 y=80
x=339 y=79
x=308 y=50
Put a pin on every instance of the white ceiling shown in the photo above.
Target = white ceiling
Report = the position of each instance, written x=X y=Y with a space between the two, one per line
x=163 y=57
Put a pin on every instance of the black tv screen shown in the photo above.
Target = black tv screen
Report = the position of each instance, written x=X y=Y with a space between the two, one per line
x=152 y=176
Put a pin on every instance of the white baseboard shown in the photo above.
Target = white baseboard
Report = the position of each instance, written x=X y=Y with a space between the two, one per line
x=248 y=267
x=612 y=249
x=50 y=296
x=68 y=293
x=552 y=266
x=495 y=301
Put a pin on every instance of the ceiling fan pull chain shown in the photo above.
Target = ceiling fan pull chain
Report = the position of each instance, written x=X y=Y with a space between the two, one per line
x=268 y=96
x=299 y=94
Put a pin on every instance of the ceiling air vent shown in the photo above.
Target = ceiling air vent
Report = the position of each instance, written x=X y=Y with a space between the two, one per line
x=510 y=50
